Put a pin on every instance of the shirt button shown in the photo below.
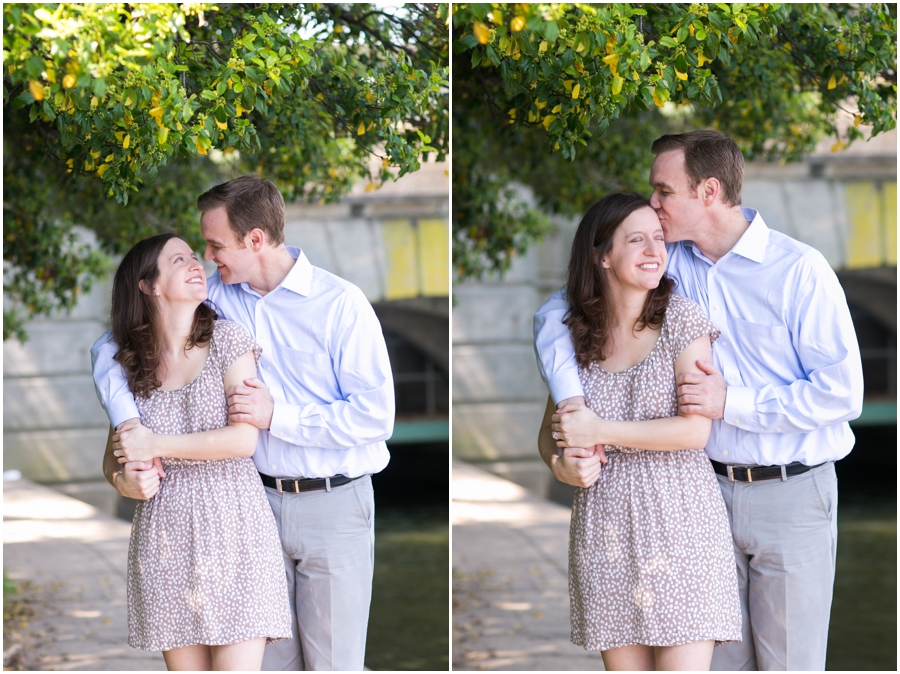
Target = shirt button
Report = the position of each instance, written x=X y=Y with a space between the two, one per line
x=725 y=452
x=724 y=343
x=274 y=466
x=736 y=422
x=778 y=430
x=715 y=271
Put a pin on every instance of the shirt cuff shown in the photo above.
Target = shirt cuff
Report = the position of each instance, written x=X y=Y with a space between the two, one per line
x=122 y=409
x=285 y=418
x=563 y=386
x=740 y=406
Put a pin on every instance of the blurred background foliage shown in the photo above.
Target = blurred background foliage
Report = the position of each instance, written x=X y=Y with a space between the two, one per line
x=117 y=116
x=566 y=99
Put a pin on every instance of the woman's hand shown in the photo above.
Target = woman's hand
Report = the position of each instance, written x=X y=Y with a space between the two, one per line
x=576 y=426
x=577 y=467
x=135 y=442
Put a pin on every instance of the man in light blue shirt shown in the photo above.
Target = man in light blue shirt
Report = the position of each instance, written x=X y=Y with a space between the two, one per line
x=324 y=404
x=785 y=381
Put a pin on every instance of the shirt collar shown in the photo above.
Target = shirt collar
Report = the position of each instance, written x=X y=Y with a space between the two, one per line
x=752 y=244
x=298 y=279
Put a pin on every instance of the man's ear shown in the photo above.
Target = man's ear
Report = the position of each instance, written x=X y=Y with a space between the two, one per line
x=710 y=189
x=256 y=239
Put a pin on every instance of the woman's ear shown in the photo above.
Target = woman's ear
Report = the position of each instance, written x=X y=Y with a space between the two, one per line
x=143 y=285
x=604 y=262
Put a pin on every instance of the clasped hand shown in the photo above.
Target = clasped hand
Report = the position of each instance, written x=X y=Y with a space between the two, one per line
x=133 y=441
x=576 y=425
x=251 y=403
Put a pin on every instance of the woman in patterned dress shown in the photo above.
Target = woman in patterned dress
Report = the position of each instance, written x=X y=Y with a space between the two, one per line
x=206 y=582
x=652 y=578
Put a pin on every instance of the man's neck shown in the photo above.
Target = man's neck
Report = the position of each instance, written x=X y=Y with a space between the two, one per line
x=274 y=265
x=722 y=234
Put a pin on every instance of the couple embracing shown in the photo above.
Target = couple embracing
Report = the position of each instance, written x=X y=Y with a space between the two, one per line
x=248 y=413
x=674 y=550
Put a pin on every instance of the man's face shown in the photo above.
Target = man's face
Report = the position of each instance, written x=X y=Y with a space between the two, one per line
x=233 y=258
x=677 y=205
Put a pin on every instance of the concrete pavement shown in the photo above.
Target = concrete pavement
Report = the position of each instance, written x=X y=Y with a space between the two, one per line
x=510 y=587
x=69 y=560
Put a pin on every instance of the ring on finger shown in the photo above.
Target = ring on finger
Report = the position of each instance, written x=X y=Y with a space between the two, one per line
x=555 y=435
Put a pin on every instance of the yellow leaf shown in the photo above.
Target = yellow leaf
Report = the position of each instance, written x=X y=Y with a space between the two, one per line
x=548 y=120
x=656 y=99
x=157 y=114
x=128 y=102
x=370 y=96
x=162 y=135
x=617 y=84
x=567 y=84
x=540 y=105
x=109 y=157
x=512 y=113
x=371 y=186
x=857 y=120
x=576 y=90
x=94 y=101
x=36 y=89
x=832 y=83
x=543 y=46
x=517 y=24
x=558 y=108
x=102 y=169
x=701 y=59
x=385 y=162
x=837 y=147
x=95 y=154
x=320 y=97
x=127 y=142
x=681 y=76
x=240 y=110
x=361 y=130
x=69 y=81
x=230 y=83
x=222 y=125
x=691 y=29
x=70 y=162
x=120 y=135
x=482 y=32
x=199 y=147
x=178 y=126
x=612 y=60
x=51 y=75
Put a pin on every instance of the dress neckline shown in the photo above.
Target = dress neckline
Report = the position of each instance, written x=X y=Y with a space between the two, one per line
x=646 y=358
x=199 y=375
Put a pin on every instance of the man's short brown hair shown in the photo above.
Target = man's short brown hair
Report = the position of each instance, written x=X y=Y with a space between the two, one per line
x=251 y=202
x=708 y=154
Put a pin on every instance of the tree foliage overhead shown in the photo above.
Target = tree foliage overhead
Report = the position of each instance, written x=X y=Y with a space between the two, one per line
x=566 y=98
x=116 y=117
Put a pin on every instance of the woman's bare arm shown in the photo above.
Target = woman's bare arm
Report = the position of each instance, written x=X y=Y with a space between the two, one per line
x=580 y=426
x=137 y=443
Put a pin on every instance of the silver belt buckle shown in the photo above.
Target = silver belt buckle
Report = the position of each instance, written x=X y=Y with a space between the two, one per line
x=281 y=489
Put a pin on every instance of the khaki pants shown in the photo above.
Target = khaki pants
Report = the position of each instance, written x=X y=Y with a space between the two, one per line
x=785 y=543
x=328 y=542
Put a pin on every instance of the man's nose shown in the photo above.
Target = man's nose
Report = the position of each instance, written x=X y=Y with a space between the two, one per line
x=654 y=201
x=207 y=252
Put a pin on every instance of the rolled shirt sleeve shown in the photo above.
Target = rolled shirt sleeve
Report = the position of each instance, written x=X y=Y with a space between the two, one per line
x=554 y=350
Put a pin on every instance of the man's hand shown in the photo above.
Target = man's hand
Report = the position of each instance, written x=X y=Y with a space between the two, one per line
x=577 y=401
x=139 y=479
x=702 y=394
x=251 y=404
x=134 y=442
x=577 y=467
x=571 y=424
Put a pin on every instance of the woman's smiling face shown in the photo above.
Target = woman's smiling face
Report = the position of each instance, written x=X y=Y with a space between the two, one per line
x=637 y=258
x=181 y=277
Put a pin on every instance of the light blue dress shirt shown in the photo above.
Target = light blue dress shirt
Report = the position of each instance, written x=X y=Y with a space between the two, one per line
x=324 y=360
x=788 y=349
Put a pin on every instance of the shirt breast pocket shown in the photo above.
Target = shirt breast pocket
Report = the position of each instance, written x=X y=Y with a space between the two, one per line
x=761 y=351
x=307 y=375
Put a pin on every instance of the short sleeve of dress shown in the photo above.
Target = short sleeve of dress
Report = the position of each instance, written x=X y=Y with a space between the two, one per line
x=231 y=342
x=687 y=322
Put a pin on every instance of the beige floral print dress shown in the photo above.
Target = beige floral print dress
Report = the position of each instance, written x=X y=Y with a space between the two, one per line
x=650 y=548
x=205 y=560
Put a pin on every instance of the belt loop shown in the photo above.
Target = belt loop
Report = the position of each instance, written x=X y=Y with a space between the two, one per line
x=783 y=474
x=749 y=475
x=730 y=473
x=327 y=484
x=278 y=485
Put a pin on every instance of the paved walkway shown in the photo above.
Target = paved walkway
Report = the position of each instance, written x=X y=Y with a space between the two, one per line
x=73 y=558
x=510 y=590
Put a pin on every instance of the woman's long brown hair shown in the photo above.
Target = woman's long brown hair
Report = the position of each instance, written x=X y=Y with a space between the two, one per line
x=590 y=315
x=135 y=316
